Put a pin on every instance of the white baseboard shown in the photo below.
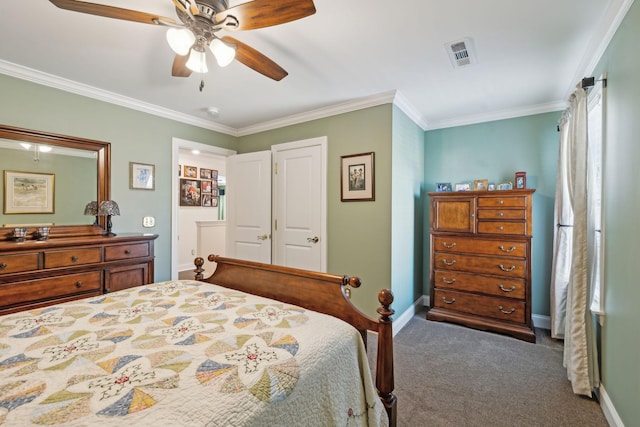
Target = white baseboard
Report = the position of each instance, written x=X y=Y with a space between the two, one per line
x=401 y=321
x=608 y=409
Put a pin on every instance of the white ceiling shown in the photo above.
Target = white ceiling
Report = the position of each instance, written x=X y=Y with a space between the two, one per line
x=350 y=54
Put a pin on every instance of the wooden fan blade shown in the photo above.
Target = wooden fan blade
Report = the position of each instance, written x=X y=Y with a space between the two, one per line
x=265 y=13
x=179 y=67
x=256 y=61
x=183 y=5
x=112 y=12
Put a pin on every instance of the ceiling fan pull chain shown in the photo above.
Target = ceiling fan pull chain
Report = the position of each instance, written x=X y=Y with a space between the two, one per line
x=201 y=85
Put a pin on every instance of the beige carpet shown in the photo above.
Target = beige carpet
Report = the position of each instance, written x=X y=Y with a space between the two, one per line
x=449 y=375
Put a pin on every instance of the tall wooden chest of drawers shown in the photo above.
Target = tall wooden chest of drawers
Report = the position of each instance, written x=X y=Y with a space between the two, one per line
x=481 y=260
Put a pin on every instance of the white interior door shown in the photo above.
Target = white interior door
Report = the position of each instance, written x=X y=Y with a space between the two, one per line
x=248 y=194
x=300 y=204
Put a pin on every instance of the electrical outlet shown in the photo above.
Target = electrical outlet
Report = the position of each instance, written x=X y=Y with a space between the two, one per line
x=148 y=221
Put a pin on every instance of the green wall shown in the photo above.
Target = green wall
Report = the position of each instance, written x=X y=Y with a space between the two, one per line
x=134 y=136
x=621 y=203
x=495 y=151
x=407 y=211
x=359 y=233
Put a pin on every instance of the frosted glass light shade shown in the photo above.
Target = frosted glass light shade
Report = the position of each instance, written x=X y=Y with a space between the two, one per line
x=223 y=52
x=197 y=61
x=180 y=40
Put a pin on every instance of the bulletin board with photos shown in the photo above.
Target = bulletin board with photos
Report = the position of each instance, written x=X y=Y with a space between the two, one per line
x=198 y=186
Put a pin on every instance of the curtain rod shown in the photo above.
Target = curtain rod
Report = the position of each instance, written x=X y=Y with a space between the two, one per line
x=588 y=82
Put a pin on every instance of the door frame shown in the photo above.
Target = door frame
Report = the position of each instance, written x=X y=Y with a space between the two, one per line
x=322 y=141
x=176 y=145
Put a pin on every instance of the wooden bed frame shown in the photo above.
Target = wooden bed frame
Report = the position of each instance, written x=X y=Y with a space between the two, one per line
x=321 y=292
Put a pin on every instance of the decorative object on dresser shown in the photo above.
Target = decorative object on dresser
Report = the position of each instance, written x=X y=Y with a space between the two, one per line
x=481 y=260
x=521 y=180
x=109 y=208
x=38 y=273
x=92 y=210
x=463 y=186
x=443 y=186
x=480 y=184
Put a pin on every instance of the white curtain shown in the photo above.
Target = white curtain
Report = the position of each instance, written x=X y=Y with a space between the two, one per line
x=571 y=318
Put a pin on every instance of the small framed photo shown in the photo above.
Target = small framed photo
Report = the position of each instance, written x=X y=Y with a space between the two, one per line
x=480 y=184
x=505 y=186
x=179 y=170
x=491 y=186
x=443 y=186
x=190 y=192
x=142 y=176
x=205 y=173
x=463 y=186
x=357 y=179
x=206 y=186
x=214 y=202
x=28 y=192
x=190 y=171
x=206 y=200
x=214 y=174
x=521 y=180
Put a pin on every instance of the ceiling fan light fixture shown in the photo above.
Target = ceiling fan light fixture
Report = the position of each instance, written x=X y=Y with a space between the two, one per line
x=224 y=52
x=180 y=40
x=197 y=61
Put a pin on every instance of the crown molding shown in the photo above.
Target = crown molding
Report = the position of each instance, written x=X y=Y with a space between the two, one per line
x=66 y=85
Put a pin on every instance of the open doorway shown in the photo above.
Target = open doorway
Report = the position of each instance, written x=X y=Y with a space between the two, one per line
x=195 y=215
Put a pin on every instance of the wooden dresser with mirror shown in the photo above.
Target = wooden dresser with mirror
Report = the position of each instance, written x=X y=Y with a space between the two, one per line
x=75 y=260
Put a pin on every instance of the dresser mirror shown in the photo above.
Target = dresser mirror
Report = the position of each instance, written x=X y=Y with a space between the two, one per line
x=76 y=170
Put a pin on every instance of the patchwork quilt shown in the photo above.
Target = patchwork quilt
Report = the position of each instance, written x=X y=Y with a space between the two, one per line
x=183 y=353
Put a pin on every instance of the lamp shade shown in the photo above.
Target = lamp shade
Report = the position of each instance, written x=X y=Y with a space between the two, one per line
x=91 y=208
x=224 y=52
x=197 y=61
x=180 y=40
x=109 y=208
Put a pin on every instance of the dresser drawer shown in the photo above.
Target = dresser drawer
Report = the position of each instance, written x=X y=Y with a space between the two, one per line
x=502 y=214
x=474 y=245
x=491 y=285
x=506 y=201
x=116 y=252
x=18 y=263
x=505 y=266
x=501 y=227
x=493 y=307
x=51 y=287
x=72 y=257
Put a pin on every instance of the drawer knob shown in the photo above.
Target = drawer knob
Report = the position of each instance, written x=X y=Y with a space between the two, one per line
x=511 y=289
x=500 y=228
x=444 y=260
x=3 y=266
x=503 y=249
x=500 y=213
x=79 y=284
x=503 y=268
x=74 y=258
x=501 y=202
x=127 y=252
x=506 y=312
x=449 y=245
x=449 y=282
x=448 y=301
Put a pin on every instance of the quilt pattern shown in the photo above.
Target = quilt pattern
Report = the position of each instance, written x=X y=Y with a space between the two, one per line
x=182 y=353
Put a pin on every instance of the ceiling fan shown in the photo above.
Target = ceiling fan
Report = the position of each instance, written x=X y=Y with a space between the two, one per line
x=201 y=20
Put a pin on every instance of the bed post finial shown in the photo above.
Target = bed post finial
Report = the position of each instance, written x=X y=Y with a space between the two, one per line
x=199 y=262
x=384 y=367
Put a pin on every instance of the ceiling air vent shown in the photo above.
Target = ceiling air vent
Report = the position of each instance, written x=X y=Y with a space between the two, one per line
x=461 y=52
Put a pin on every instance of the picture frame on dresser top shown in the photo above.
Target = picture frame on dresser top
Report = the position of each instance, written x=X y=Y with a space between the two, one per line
x=463 y=186
x=443 y=186
x=507 y=185
x=480 y=184
x=521 y=180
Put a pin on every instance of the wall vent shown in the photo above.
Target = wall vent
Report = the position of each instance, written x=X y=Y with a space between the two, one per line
x=461 y=52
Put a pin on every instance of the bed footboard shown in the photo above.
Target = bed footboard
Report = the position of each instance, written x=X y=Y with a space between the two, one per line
x=321 y=292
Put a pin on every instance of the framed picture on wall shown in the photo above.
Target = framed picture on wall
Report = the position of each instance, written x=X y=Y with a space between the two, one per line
x=357 y=178
x=141 y=176
x=205 y=173
x=206 y=200
x=190 y=171
x=28 y=192
x=206 y=186
x=190 y=192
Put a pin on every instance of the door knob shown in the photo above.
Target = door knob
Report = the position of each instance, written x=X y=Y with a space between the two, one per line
x=313 y=239
x=263 y=237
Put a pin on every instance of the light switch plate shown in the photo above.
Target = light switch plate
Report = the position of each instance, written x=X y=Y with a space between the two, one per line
x=148 y=221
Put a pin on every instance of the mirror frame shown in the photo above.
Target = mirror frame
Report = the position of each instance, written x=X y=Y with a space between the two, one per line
x=103 y=154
